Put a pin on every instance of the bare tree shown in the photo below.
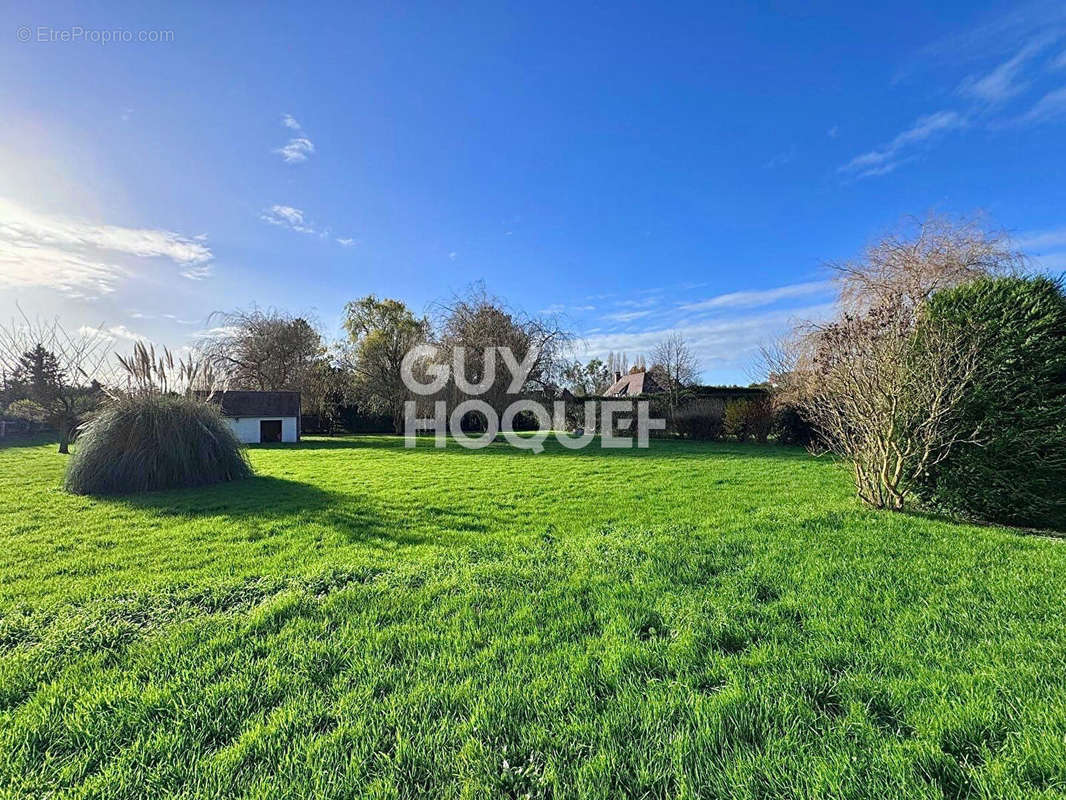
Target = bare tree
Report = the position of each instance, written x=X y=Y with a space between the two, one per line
x=881 y=383
x=674 y=361
x=264 y=350
x=56 y=371
x=476 y=321
x=920 y=258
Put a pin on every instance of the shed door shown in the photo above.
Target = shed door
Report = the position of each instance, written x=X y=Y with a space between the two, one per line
x=270 y=430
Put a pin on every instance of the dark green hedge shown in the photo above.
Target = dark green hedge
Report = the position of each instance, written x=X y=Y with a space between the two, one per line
x=1017 y=475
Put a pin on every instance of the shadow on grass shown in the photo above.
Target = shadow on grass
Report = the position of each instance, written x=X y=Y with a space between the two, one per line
x=261 y=496
x=32 y=440
x=658 y=448
x=948 y=519
x=268 y=499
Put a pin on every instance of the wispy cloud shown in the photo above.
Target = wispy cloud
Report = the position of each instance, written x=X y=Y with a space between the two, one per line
x=1003 y=60
x=1005 y=81
x=718 y=344
x=628 y=316
x=299 y=147
x=197 y=273
x=287 y=217
x=78 y=257
x=28 y=264
x=1047 y=248
x=992 y=37
x=295 y=219
x=885 y=159
x=1052 y=104
x=113 y=332
x=1042 y=240
x=781 y=158
x=756 y=299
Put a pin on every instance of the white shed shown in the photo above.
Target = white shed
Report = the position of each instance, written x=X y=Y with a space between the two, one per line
x=261 y=417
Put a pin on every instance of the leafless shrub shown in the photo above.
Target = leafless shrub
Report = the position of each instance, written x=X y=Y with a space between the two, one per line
x=881 y=394
x=880 y=383
x=922 y=257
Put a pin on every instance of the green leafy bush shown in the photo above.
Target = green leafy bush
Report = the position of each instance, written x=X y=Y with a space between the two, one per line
x=759 y=418
x=1016 y=472
x=697 y=423
x=735 y=419
x=147 y=442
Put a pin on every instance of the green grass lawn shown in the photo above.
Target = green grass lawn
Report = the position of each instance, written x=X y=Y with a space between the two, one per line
x=363 y=620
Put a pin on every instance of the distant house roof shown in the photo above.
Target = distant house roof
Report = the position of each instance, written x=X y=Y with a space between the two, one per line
x=633 y=384
x=259 y=404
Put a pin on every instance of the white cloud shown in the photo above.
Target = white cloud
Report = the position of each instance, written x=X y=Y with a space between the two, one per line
x=27 y=264
x=68 y=254
x=1042 y=240
x=287 y=217
x=1050 y=105
x=197 y=273
x=716 y=343
x=887 y=158
x=1003 y=82
x=1047 y=248
x=754 y=299
x=113 y=332
x=296 y=150
x=217 y=332
x=628 y=316
x=1051 y=262
x=19 y=223
x=781 y=159
x=175 y=318
x=299 y=148
x=295 y=219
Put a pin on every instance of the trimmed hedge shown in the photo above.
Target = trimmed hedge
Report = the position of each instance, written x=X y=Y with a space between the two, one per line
x=1017 y=474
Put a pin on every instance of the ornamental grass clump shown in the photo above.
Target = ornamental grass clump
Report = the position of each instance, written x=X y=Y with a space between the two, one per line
x=155 y=433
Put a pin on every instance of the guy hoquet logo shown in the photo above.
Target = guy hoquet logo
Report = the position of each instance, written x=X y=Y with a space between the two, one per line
x=614 y=414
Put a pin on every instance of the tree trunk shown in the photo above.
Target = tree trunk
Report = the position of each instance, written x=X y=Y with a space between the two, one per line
x=64 y=439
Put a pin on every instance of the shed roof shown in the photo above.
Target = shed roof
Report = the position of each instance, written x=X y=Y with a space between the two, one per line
x=259 y=404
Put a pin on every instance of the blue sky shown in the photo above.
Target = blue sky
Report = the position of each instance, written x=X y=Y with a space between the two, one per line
x=638 y=168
